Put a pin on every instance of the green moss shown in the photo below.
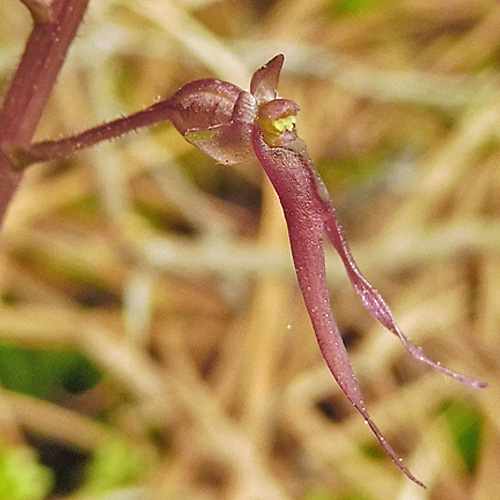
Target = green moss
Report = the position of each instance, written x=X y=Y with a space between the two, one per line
x=352 y=172
x=22 y=477
x=115 y=464
x=350 y=7
x=465 y=425
x=43 y=374
x=374 y=451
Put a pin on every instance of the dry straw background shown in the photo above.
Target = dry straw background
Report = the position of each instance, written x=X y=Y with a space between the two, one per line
x=173 y=275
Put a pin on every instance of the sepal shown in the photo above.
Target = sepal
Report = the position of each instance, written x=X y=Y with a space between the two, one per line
x=264 y=84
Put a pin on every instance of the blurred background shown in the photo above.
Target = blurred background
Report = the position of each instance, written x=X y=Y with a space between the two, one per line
x=153 y=340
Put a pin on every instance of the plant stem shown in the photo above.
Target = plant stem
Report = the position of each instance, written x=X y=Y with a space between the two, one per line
x=22 y=157
x=32 y=84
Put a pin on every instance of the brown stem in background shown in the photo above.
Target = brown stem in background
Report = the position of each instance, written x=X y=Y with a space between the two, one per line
x=10 y=431
x=34 y=80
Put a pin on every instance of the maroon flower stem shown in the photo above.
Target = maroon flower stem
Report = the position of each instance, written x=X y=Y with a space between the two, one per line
x=54 y=150
x=33 y=82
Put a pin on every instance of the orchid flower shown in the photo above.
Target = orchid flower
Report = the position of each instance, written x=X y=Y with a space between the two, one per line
x=232 y=125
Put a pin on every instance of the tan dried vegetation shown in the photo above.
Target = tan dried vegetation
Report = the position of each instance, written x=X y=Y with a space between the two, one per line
x=173 y=274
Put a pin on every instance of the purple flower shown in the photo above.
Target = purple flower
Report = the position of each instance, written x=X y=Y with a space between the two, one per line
x=260 y=123
x=232 y=125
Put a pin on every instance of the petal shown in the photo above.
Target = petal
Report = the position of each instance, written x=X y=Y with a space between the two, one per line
x=276 y=109
x=264 y=84
x=372 y=300
x=277 y=120
x=296 y=183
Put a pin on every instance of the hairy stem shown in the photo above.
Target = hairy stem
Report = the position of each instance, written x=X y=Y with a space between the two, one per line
x=22 y=157
x=33 y=82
